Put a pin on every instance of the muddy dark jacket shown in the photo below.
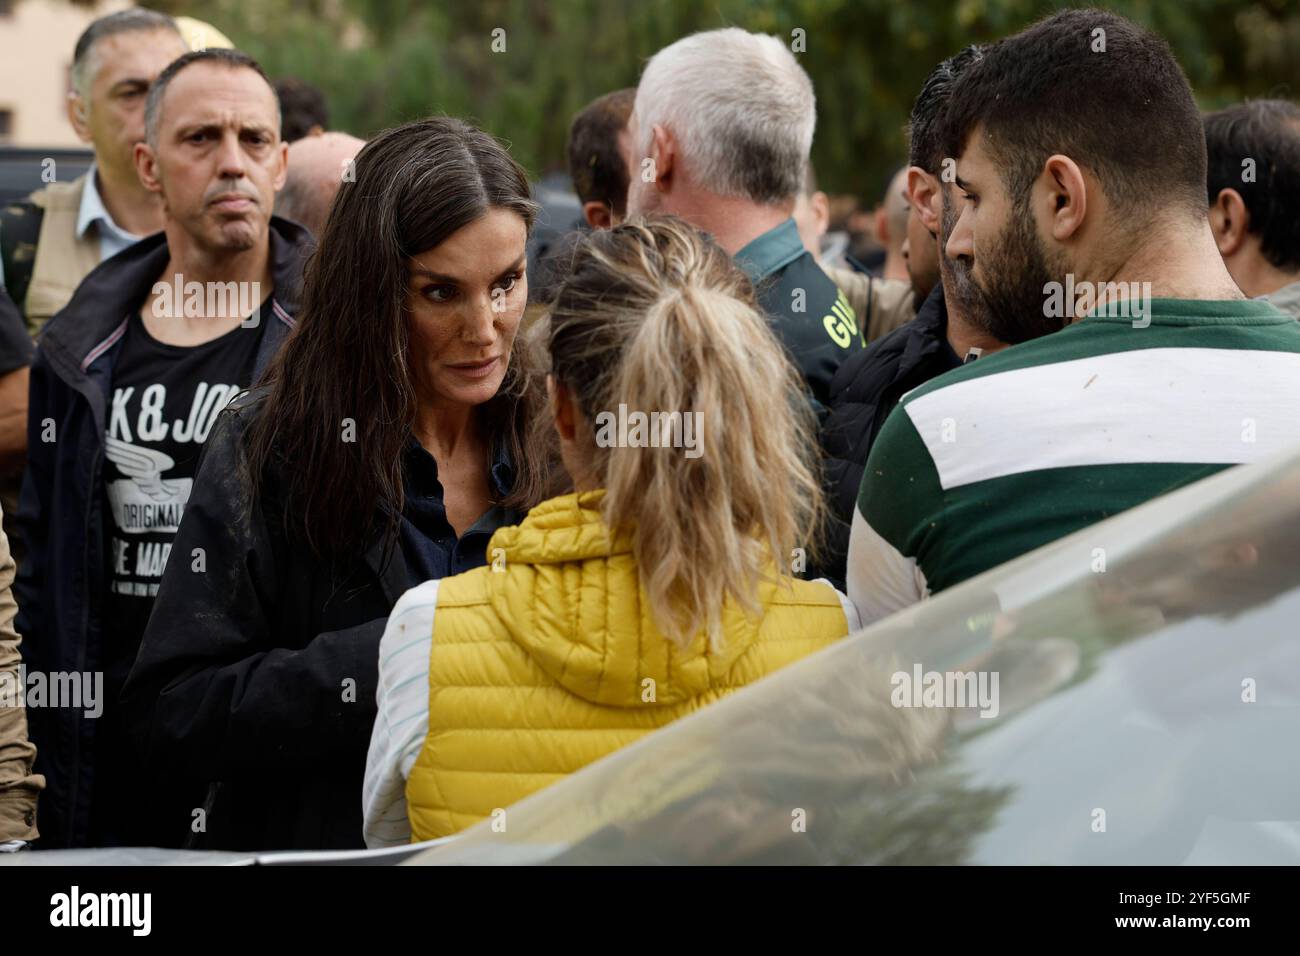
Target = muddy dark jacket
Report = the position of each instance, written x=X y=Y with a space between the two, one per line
x=258 y=672
x=61 y=581
x=864 y=391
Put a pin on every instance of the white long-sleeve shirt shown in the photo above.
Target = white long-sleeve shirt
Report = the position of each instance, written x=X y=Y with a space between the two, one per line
x=403 y=719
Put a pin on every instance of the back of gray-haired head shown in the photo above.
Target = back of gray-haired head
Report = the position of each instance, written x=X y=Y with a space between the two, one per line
x=741 y=108
x=132 y=20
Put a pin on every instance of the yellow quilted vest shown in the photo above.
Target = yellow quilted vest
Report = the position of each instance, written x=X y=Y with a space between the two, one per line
x=547 y=659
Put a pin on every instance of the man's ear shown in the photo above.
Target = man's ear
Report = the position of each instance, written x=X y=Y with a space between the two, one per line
x=283 y=174
x=880 y=227
x=1065 y=190
x=79 y=116
x=561 y=408
x=146 y=167
x=821 y=209
x=1229 y=221
x=663 y=158
x=598 y=214
x=924 y=195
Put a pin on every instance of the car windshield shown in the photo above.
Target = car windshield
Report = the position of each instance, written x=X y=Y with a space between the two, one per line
x=1126 y=695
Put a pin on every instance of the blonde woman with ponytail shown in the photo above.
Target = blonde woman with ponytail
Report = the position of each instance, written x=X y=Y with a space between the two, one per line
x=658 y=586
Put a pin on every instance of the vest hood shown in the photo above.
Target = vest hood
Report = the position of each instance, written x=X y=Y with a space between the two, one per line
x=567 y=590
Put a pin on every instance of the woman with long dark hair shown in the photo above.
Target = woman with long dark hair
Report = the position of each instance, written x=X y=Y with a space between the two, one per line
x=389 y=439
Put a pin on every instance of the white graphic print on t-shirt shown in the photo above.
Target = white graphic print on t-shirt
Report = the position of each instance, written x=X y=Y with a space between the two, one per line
x=147 y=499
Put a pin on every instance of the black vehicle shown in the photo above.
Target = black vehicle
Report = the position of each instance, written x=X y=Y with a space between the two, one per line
x=23 y=170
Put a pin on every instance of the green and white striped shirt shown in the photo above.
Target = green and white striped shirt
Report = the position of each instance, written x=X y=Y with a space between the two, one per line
x=1001 y=456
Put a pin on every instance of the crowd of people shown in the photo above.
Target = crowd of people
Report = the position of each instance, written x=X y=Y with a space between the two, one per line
x=360 y=517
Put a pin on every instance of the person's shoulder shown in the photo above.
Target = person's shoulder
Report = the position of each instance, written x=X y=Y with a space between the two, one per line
x=1045 y=350
x=415 y=606
x=226 y=461
x=867 y=371
x=850 y=281
x=807 y=265
x=294 y=234
x=59 y=195
x=249 y=403
x=801 y=272
x=1285 y=299
x=816 y=593
x=470 y=588
x=237 y=418
x=890 y=345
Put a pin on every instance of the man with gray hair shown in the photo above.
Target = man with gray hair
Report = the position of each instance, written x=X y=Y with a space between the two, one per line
x=721 y=133
x=52 y=241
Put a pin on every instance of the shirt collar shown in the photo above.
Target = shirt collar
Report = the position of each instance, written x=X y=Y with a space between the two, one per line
x=502 y=471
x=422 y=470
x=774 y=249
x=93 y=210
x=1286 y=298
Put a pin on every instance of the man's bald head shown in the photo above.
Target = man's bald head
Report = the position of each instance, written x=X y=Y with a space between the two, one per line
x=892 y=218
x=894 y=207
x=317 y=166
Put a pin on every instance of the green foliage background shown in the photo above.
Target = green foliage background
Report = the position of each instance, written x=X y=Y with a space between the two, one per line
x=382 y=62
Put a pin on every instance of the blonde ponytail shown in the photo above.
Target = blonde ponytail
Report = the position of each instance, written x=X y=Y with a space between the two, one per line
x=657 y=320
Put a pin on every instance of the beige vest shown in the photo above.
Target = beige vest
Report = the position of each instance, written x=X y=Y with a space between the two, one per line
x=62 y=260
x=882 y=305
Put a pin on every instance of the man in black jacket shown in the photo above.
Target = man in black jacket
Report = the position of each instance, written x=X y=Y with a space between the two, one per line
x=948 y=329
x=126 y=385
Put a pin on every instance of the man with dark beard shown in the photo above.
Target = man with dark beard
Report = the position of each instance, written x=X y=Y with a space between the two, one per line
x=949 y=326
x=1161 y=372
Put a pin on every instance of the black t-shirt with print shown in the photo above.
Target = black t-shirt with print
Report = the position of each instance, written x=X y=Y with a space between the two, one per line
x=164 y=402
x=165 y=399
